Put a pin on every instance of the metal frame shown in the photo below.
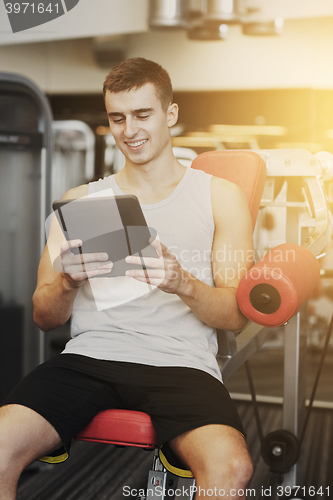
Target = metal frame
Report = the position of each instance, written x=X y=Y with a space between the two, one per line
x=15 y=83
x=312 y=213
x=163 y=485
x=235 y=350
x=89 y=138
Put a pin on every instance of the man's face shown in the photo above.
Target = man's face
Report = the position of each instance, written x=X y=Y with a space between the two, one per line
x=139 y=124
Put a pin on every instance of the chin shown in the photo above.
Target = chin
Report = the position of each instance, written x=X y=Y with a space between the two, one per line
x=140 y=160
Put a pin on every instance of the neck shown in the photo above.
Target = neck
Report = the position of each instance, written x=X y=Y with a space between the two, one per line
x=151 y=182
x=151 y=175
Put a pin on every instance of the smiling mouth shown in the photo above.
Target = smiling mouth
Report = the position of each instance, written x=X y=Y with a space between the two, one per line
x=136 y=144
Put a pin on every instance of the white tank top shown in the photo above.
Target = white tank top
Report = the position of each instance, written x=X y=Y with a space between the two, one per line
x=121 y=319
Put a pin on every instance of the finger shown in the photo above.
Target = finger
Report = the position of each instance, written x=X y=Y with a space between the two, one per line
x=78 y=268
x=96 y=272
x=150 y=274
x=94 y=257
x=145 y=261
x=67 y=246
x=82 y=262
x=149 y=281
x=83 y=276
x=86 y=258
x=159 y=247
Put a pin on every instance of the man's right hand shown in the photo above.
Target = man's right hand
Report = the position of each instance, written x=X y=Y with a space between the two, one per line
x=77 y=268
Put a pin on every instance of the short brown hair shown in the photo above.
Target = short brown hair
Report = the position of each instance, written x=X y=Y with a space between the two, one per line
x=136 y=72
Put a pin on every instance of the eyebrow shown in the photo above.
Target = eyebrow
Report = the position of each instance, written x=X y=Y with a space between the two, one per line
x=134 y=112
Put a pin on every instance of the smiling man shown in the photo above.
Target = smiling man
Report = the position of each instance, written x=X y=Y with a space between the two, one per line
x=155 y=353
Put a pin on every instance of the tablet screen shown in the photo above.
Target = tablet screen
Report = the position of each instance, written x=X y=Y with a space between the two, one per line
x=115 y=225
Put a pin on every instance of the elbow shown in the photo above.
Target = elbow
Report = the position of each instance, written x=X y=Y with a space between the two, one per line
x=39 y=323
x=242 y=324
x=44 y=323
x=37 y=316
x=239 y=322
x=234 y=323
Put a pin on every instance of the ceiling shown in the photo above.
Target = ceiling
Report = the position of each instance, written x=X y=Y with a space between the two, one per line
x=114 y=17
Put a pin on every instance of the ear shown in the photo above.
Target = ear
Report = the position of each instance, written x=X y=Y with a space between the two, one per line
x=172 y=115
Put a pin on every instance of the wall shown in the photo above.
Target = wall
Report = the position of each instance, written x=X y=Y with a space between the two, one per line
x=88 y=18
x=57 y=67
x=299 y=58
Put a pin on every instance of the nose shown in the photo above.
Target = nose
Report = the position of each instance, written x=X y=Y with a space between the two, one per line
x=130 y=129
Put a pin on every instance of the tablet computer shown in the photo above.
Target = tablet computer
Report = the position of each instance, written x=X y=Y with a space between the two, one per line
x=115 y=225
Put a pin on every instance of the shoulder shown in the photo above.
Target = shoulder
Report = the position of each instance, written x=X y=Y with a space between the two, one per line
x=228 y=200
x=77 y=192
x=200 y=174
x=223 y=186
x=199 y=179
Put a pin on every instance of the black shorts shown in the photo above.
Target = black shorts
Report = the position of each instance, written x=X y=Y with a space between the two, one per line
x=70 y=389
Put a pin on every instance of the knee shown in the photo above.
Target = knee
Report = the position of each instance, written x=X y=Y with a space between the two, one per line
x=226 y=473
x=240 y=469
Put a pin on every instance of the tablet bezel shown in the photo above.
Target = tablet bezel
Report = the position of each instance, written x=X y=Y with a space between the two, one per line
x=131 y=215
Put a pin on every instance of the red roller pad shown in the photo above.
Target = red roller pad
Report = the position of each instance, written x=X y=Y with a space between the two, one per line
x=122 y=427
x=244 y=168
x=292 y=270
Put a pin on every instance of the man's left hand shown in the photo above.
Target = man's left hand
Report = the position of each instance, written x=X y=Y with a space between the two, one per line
x=165 y=272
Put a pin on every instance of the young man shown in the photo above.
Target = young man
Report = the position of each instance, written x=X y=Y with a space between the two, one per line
x=153 y=351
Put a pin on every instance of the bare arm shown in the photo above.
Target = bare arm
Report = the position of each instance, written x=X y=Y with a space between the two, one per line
x=232 y=255
x=56 y=289
x=216 y=306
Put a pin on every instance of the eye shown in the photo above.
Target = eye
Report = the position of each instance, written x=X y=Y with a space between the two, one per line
x=117 y=120
x=143 y=117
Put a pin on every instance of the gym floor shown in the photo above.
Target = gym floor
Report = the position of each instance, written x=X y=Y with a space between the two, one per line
x=99 y=472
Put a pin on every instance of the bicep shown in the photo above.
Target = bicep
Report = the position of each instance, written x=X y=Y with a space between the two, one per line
x=50 y=262
x=232 y=252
